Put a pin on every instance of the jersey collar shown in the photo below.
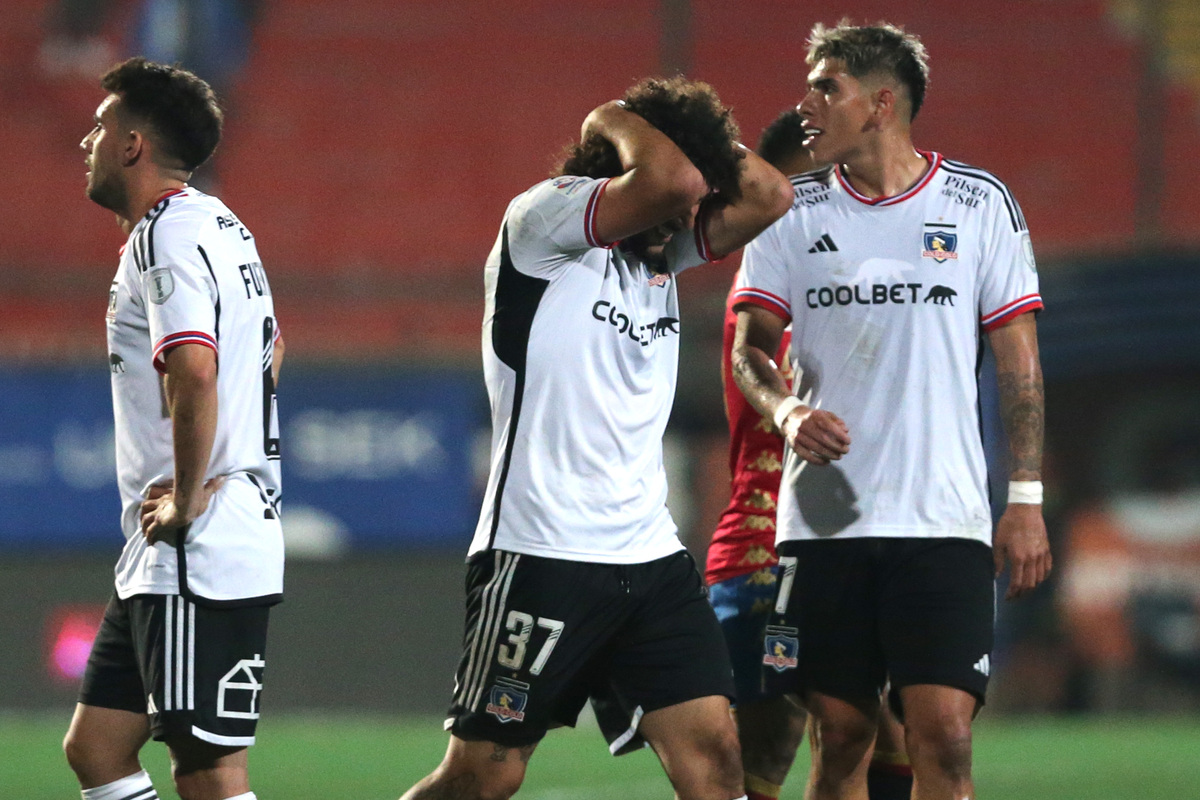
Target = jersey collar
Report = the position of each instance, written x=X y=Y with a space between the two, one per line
x=169 y=193
x=935 y=161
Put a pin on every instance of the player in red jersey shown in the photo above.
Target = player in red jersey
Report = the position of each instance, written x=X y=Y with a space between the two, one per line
x=742 y=569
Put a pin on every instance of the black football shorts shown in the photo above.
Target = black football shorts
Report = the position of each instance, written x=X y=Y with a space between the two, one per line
x=852 y=614
x=197 y=671
x=544 y=635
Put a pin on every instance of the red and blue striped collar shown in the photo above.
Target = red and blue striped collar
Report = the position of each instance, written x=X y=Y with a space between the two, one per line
x=935 y=161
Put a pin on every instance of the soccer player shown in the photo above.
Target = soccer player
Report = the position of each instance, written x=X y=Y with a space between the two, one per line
x=194 y=353
x=891 y=264
x=742 y=566
x=577 y=583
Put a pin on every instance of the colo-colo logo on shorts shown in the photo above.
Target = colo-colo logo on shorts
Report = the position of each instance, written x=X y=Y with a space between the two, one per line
x=782 y=647
x=506 y=701
x=642 y=334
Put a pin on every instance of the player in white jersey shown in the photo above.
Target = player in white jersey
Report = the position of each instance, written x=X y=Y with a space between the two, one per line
x=890 y=264
x=194 y=351
x=743 y=570
x=578 y=586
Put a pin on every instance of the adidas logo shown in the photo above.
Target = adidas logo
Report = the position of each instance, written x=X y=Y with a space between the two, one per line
x=824 y=245
x=983 y=666
x=151 y=708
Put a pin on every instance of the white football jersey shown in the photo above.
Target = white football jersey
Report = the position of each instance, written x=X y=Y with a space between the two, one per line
x=887 y=298
x=190 y=274
x=580 y=354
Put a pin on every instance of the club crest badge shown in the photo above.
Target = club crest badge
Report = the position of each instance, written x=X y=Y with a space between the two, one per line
x=506 y=702
x=940 y=246
x=781 y=648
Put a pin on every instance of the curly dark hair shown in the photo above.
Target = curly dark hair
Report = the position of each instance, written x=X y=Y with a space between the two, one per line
x=782 y=139
x=869 y=49
x=690 y=114
x=179 y=107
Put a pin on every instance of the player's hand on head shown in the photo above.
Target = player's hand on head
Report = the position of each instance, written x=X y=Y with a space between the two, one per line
x=595 y=121
x=817 y=436
x=1022 y=544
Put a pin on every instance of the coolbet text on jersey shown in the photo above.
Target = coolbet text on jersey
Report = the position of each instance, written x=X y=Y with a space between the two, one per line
x=581 y=352
x=887 y=298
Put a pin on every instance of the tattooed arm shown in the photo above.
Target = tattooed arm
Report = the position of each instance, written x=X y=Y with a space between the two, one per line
x=817 y=436
x=1021 y=534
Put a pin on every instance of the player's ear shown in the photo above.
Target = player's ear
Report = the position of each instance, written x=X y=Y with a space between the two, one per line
x=135 y=147
x=883 y=104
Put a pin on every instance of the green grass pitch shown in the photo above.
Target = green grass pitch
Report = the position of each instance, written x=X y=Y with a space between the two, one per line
x=322 y=757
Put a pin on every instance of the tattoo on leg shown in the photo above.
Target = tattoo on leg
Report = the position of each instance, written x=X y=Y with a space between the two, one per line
x=500 y=753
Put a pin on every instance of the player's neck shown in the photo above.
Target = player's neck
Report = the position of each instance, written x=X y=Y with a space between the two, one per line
x=146 y=193
x=887 y=170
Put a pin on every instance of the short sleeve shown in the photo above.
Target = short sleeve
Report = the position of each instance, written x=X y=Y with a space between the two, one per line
x=180 y=294
x=1009 y=279
x=763 y=278
x=556 y=217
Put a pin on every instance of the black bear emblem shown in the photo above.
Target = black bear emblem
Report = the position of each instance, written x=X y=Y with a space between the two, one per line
x=941 y=294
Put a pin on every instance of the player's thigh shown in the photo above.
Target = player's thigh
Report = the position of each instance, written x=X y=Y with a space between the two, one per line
x=110 y=723
x=937 y=616
x=534 y=638
x=203 y=668
x=743 y=605
x=823 y=635
x=671 y=649
x=113 y=676
x=696 y=741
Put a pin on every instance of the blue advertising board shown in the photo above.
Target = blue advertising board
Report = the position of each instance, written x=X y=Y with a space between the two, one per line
x=373 y=459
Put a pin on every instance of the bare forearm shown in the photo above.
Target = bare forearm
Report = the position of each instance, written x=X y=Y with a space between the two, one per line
x=1022 y=409
x=1022 y=400
x=193 y=404
x=759 y=379
x=766 y=195
x=635 y=139
x=641 y=146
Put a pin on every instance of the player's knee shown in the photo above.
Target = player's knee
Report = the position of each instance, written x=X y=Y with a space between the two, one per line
x=76 y=751
x=837 y=741
x=945 y=747
x=722 y=754
x=89 y=761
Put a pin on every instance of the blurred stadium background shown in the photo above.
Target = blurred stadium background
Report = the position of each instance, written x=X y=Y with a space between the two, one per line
x=372 y=145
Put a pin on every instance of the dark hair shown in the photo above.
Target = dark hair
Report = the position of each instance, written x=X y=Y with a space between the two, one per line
x=690 y=114
x=782 y=139
x=179 y=107
x=870 y=49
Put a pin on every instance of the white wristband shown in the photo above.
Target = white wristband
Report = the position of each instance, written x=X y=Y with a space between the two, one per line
x=785 y=407
x=1025 y=492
